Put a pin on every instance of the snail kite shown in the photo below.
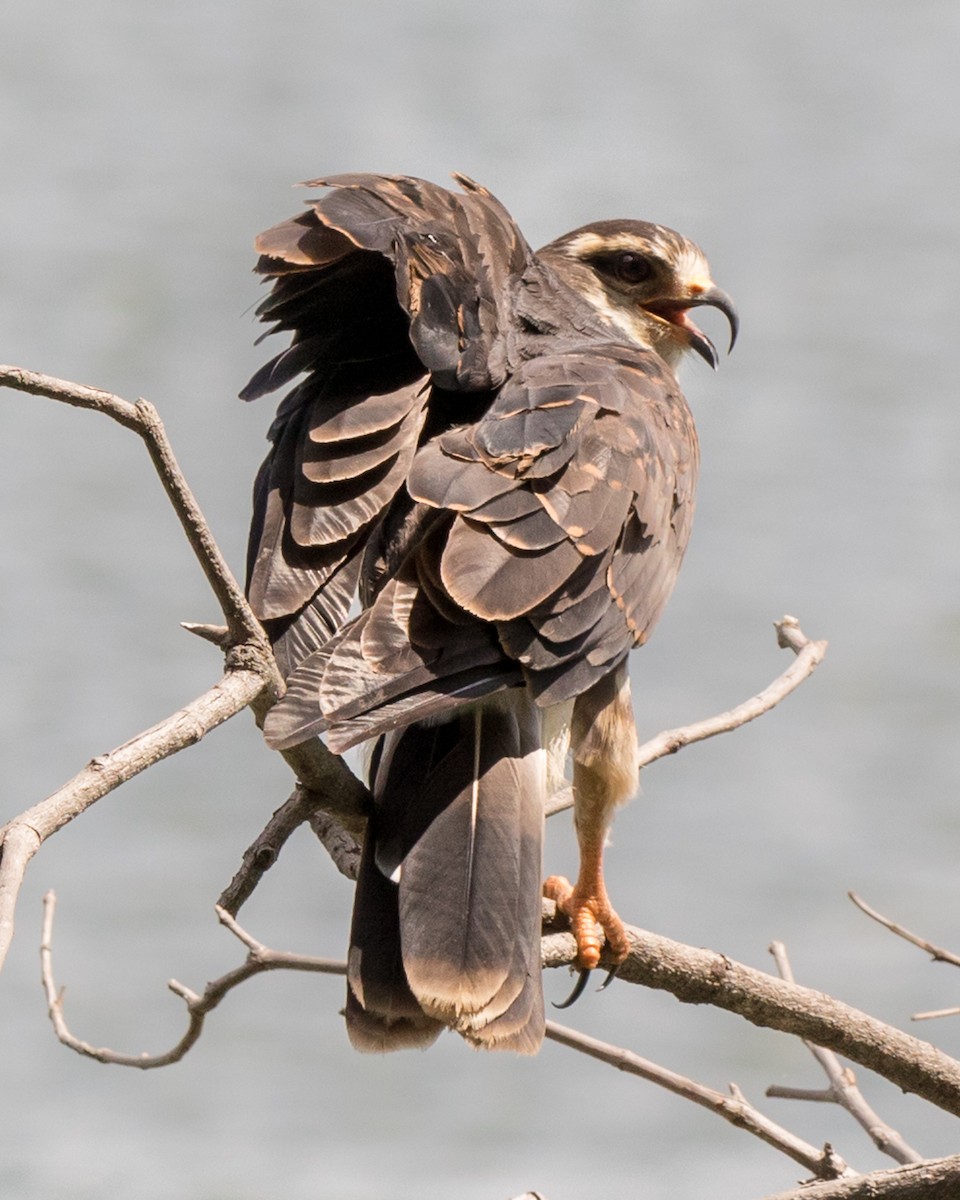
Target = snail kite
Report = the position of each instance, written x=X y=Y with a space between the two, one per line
x=478 y=494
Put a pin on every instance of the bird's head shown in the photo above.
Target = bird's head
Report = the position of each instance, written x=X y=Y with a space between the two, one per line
x=644 y=279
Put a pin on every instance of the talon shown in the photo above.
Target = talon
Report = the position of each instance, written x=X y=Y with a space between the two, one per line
x=593 y=923
x=578 y=989
x=611 y=976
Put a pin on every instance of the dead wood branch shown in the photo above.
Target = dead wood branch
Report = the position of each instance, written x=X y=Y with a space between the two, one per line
x=142 y=418
x=301 y=807
x=936 y=1179
x=937 y=953
x=789 y=636
x=22 y=837
x=697 y=976
x=259 y=959
x=825 y=1163
x=809 y=655
x=842 y=1087
x=251 y=676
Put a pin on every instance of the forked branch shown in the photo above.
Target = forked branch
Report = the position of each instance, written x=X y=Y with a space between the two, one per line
x=251 y=675
x=259 y=959
x=824 y=1164
x=842 y=1087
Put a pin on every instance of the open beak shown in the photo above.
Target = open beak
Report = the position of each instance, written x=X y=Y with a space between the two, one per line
x=675 y=311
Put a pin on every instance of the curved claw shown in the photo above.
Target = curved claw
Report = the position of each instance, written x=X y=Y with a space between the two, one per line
x=611 y=976
x=578 y=989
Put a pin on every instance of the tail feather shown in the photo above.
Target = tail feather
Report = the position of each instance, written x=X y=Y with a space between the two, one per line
x=447 y=915
x=381 y=1012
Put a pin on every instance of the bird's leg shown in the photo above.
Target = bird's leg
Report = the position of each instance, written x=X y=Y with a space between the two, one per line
x=605 y=768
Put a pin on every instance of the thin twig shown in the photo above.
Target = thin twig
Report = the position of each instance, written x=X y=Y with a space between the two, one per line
x=825 y=1164
x=24 y=835
x=264 y=851
x=789 y=636
x=842 y=1089
x=809 y=655
x=144 y=420
x=935 y=1014
x=259 y=959
x=937 y=953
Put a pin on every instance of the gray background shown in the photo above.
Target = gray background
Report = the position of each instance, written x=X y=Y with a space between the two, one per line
x=813 y=151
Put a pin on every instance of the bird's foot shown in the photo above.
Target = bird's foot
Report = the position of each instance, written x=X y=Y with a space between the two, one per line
x=593 y=922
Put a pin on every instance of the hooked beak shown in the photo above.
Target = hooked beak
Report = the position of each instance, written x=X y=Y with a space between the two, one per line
x=714 y=298
x=675 y=311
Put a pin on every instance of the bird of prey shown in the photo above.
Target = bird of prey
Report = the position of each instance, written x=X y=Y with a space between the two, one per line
x=478 y=494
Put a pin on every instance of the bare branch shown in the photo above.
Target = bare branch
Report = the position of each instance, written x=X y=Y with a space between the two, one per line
x=698 y=976
x=259 y=959
x=936 y=952
x=252 y=676
x=928 y=1181
x=936 y=1013
x=842 y=1087
x=936 y=1179
x=22 y=837
x=735 y=1109
x=704 y=977
x=824 y=1164
x=299 y=808
x=217 y=635
x=144 y=420
x=789 y=636
x=17 y=846
x=343 y=849
x=260 y=856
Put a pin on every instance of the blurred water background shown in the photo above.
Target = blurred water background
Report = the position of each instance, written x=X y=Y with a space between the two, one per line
x=814 y=151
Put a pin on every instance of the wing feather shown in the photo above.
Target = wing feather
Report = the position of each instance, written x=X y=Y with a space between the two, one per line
x=507 y=489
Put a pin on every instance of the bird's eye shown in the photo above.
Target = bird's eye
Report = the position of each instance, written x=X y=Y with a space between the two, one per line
x=631 y=267
x=625 y=266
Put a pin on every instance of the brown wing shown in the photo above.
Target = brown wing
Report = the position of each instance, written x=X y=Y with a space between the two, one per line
x=560 y=518
x=574 y=499
x=509 y=494
x=386 y=283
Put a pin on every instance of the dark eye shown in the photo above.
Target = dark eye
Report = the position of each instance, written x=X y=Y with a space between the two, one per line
x=625 y=266
x=630 y=267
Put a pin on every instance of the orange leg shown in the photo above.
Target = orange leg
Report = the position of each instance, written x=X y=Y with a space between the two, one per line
x=604 y=745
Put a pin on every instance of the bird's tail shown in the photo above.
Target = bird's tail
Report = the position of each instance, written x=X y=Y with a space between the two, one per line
x=446 y=921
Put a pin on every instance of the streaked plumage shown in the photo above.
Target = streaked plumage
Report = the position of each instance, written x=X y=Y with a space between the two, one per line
x=489 y=449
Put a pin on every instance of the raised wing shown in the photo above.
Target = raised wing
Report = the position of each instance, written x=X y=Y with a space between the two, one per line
x=388 y=285
x=478 y=450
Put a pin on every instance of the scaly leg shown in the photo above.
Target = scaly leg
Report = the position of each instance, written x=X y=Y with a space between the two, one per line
x=605 y=769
